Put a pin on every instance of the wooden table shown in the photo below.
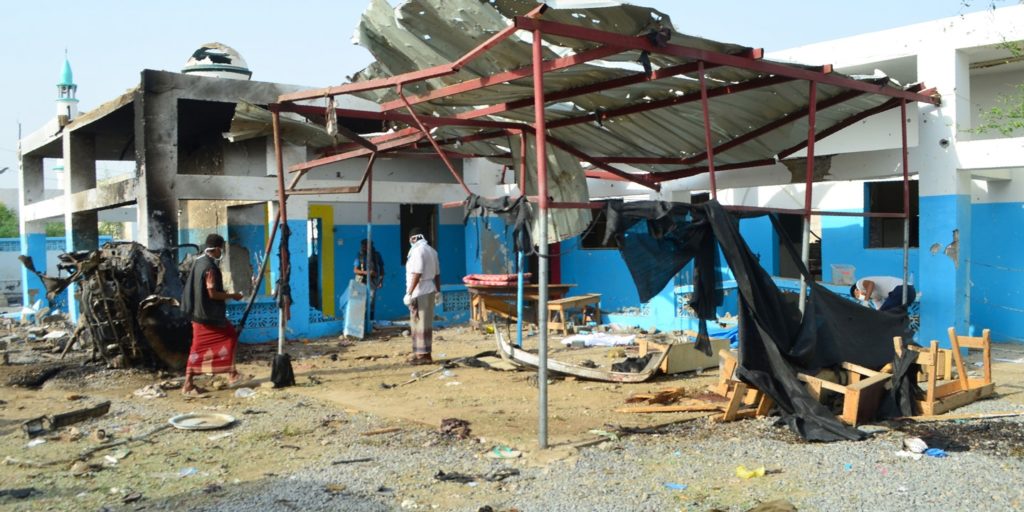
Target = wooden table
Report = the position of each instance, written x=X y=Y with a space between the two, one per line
x=500 y=300
x=558 y=310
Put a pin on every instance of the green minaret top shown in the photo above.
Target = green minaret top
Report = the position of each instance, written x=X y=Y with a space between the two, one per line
x=66 y=77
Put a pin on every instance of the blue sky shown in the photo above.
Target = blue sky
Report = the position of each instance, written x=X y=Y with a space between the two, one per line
x=309 y=42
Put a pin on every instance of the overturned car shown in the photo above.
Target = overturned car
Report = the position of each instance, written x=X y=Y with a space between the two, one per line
x=128 y=300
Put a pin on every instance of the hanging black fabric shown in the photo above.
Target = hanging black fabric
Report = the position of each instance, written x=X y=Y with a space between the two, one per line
x=775 y=342
x=658 y=239
x=515 y=212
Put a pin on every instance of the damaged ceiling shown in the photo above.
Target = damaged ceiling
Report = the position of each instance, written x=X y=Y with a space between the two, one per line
x=623 y=93
x=422 y=33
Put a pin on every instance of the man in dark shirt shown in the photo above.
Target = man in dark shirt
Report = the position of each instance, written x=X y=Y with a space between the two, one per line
x=214 y=339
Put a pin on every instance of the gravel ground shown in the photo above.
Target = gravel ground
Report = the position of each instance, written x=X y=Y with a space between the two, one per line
x=630 y=474
x=291 y=452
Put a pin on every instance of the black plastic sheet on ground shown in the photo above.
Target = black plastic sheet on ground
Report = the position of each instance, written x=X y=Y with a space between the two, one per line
x=657 y=239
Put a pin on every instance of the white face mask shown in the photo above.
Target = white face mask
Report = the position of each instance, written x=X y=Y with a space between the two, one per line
x=416 y=240
x=206 y=252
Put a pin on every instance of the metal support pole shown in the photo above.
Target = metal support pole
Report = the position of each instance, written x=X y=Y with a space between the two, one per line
x=906 y=201
x=805 y=247
x=540 y=141
x=370 y=290
x=282 y=217
x=522 y=253
x=707 y=129
x=519 y=300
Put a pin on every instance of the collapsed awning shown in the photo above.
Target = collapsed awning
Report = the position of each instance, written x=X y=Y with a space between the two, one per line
x=624 y=94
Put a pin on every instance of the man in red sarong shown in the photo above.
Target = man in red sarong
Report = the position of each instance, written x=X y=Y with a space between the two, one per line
x=214 y=339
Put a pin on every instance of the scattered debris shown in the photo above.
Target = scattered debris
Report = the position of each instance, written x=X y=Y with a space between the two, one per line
x=674 y=486
x=380 y=431
x=35 y=376
x=633 y=364
x=915 y=445
x=245 y=393
x=19 y=494
x=99 y=436
x=86 y=453
x=43 y=424
x=453 y=477
x=774 y=506
x=500 y=474
x=131 y=497
x=454 y=427
x=964 y=416
x=503 y=452
x=351 y=461
x=80 y=468
x=744 y=473
x=150 y=391
x=335 y=488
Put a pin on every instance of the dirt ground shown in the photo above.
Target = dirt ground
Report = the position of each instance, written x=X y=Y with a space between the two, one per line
x=367 y=382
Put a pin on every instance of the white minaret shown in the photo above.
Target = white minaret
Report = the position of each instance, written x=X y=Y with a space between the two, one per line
x=67 y=104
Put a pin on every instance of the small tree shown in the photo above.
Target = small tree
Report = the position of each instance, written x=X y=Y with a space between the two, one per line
x=54 y=229
x=114 y=230
x=8 y=223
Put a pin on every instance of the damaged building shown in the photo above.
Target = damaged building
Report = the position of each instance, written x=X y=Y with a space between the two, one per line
x=201 y=160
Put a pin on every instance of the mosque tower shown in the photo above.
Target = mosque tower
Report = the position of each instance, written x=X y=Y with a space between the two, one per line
x=67 y=103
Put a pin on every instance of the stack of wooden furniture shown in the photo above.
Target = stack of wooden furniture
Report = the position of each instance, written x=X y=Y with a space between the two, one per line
x=865 y=387
x=935 y=367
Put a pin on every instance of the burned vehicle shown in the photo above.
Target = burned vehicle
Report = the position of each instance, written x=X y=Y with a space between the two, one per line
x=128 y=301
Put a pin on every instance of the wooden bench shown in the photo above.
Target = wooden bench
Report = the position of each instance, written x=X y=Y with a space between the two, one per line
x=557 y=310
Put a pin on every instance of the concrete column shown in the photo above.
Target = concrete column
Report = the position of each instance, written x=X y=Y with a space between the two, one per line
x=156 y=154
x=80 y=228
x=33 y=234
x=942 y=278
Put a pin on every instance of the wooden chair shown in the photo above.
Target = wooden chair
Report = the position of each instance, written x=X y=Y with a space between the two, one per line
x=744 y=401
x=953 y=392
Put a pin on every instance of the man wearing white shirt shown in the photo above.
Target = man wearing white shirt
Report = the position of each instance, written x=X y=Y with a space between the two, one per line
x=422 y=283
x=882 y=292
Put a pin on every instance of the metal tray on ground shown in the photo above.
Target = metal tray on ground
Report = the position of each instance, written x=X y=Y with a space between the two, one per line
x=201 y=421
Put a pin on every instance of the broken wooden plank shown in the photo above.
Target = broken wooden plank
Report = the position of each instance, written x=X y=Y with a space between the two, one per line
x=71 y=417
x=672 y=408
x=380 y=431
x=962 y=416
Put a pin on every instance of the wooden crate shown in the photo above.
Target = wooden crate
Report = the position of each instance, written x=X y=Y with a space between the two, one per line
x=682 y=357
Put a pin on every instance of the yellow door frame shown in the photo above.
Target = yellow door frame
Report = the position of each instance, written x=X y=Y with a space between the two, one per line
x=325 y=213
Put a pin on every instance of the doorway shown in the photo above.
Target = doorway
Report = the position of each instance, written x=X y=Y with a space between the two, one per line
x=793 y=225
x=320 y=248
x=422 y=216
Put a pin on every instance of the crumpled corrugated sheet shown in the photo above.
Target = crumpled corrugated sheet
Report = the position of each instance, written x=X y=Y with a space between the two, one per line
x=422 y=33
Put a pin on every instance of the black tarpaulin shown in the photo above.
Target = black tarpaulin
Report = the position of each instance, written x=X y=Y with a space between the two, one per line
x=658 y=239
x=776 y=342
x=514 y=212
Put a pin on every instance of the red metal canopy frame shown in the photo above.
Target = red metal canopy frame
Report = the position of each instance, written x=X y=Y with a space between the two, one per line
x=418 y=128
